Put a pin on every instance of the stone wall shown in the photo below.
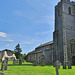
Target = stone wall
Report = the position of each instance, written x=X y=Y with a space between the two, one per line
x=64 y=30
x=44 y=49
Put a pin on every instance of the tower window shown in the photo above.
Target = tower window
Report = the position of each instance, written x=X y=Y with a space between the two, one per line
x=69 y=10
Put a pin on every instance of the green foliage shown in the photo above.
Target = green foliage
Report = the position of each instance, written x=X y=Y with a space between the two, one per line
x=18 y=51
x=22 y=56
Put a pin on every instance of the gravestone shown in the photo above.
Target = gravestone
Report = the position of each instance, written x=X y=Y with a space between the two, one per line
x=69 y=65
x=20 y=62
x=0 y=60
x=23 y=60
x=42 y=62
x=2 y=73
x=57 y=65
x=64 y=65
x=4 y=65
x=14 y=61
x=17 y=61
x=34 y=62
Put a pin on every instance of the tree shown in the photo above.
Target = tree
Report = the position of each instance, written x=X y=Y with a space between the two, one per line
x=18 y=51
x=23 y=56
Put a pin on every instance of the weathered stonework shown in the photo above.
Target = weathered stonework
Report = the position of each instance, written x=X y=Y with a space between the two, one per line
x=44 y=49
x=64 y=31
x=63 y=46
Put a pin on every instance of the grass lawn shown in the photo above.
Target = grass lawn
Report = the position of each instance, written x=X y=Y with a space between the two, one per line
x=28 y=69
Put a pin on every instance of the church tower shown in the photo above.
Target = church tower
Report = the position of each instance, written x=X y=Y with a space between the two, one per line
x=64 y=34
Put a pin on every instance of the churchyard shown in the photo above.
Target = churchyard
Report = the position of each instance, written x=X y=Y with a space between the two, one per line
x=28 y=69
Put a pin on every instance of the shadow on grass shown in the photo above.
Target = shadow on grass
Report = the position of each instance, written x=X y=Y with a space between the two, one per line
x=20 y=65
x=28 y=65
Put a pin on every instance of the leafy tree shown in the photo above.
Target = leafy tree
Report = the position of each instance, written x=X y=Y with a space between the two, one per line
x=18 y=51
x=22 y=56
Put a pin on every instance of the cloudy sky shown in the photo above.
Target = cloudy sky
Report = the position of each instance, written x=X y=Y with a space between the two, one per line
x=27 y=22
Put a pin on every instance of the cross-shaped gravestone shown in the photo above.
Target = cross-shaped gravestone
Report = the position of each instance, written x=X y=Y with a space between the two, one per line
x=57 y=65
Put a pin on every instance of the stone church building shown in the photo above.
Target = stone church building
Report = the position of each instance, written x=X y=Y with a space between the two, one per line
x=44 y=49
x=63 y=46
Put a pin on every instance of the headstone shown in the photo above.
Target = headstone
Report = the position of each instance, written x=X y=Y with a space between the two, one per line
x=69 y=65
x=34 y=62
x=57 y=65
x=64 y=65
x=14 y=61
x=0 y=60
x=17 y=61
x=20 y=62
x=42 y=62
x=4 y=65
x=23 y=60
x=54 y=65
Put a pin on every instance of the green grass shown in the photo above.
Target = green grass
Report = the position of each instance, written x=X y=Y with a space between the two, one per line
x=28 y=69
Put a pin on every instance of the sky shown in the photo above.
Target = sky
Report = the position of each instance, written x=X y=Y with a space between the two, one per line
x=27 y=22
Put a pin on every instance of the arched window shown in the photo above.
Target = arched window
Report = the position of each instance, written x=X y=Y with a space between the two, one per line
x=72 y=44
x=69 y=10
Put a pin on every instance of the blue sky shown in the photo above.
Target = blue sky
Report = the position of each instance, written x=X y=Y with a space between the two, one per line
x=27 y=22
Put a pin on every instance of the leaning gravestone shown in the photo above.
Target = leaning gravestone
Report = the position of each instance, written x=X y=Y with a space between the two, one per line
x=34 y=62
x=57 y=65
x=4 y=65
x=20 y=62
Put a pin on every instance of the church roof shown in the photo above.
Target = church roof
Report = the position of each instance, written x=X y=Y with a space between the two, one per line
x=48 y=43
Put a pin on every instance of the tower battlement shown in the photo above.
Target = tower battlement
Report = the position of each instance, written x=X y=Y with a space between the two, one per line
x=66 y=1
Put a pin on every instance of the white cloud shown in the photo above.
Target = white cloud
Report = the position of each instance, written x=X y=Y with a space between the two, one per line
x=7 y=45
x=4 y=37
x=8 y=40
x=2 y=34
x=27 y=42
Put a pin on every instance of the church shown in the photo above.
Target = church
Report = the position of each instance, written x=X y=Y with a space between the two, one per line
x=63 y=46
